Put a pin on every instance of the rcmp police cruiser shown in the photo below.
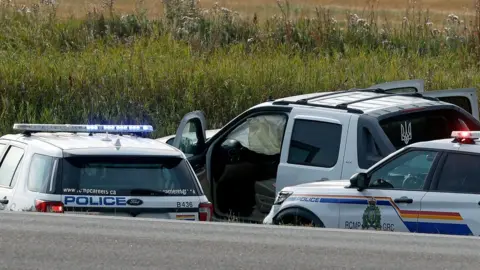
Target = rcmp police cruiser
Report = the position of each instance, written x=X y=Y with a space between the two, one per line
x=426 y=187
x=97 y=169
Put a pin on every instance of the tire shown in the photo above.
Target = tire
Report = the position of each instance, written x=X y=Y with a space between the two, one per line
x=298 y=217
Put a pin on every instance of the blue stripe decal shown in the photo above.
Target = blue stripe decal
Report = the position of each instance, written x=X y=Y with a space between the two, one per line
x=444 y=228
x=343 y=201
x=353 y=201
x=412 y=226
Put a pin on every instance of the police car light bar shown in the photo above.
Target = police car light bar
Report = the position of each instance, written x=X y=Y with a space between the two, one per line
x=83 y=128
x=465 y=137
x=466 y=134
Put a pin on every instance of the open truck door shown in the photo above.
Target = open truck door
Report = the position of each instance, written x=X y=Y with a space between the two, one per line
x=190 y=139
x=465 y=98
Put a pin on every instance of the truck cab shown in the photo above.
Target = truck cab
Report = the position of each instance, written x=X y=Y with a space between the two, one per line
x=315 y=137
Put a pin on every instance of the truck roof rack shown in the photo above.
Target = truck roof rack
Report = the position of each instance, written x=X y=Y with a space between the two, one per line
x=382 y=96
x=374 y=90
x=302 y=102
x=344 y=106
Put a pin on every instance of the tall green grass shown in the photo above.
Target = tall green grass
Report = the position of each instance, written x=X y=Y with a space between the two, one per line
x=113 y=68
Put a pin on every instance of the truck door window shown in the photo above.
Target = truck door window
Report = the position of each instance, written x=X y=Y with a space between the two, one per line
x=315 y=143
x=189 y=139
x=460 y=173
x=408 y=171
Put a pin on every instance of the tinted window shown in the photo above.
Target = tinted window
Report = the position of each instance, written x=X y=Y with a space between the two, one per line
x=425 y=126
x=136 y=176
x=41 y=171
x=407 y=171
x=315 y=143
x=9 y=165
x=460 y=173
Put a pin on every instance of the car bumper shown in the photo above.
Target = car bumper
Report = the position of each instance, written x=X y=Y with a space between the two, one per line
x=268 y=220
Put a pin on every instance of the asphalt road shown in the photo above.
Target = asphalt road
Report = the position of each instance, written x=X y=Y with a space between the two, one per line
x=44 y=241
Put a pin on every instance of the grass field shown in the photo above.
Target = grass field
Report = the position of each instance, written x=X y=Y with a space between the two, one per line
x=142 y=67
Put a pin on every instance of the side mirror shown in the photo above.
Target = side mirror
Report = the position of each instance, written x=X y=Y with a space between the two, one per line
x=359 y=181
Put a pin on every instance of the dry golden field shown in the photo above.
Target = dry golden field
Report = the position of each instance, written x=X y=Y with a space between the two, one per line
x=130 y=70
x=393 y=10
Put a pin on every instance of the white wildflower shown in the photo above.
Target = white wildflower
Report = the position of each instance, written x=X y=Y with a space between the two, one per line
x=361 y=21
x=226 y=10
x=452 y=17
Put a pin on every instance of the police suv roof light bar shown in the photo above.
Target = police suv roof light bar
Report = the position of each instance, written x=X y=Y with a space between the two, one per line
x=128 y=129
x=465 y=137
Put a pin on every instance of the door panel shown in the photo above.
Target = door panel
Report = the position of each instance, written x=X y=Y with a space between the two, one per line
x=385 y=210
x=465 y=98
x=450 y=213
x=190 y=139
x=405 y=86
x=317 y=163
x=453 y=204
x=392 y=200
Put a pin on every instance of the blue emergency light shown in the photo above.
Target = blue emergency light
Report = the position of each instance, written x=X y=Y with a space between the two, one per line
x=31 y=128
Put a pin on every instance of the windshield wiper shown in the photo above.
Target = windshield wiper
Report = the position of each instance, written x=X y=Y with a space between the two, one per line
x=147 y=192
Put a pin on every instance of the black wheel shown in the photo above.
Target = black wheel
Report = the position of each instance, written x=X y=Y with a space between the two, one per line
x=298 y=217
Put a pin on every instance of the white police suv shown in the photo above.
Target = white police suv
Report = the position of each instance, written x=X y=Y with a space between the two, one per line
x=99 y=170
x=426 y=187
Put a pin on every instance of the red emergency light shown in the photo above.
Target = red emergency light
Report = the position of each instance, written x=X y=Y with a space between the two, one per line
x=466 y=137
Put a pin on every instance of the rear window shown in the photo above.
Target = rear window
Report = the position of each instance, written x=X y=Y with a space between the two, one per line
x=128 y=176
x=425 y=126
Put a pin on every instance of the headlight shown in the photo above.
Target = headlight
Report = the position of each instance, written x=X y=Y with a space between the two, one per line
x=282 y=196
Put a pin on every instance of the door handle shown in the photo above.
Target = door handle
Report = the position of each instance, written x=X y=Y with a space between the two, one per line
x=3 y=201
x=403 y=200
x=323 y=179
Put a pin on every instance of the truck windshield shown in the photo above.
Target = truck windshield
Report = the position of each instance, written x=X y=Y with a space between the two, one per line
x=425 y=126
x=125 y=176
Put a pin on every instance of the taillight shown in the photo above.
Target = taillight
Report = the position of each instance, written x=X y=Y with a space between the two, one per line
x=49 y=206
x=205 y=211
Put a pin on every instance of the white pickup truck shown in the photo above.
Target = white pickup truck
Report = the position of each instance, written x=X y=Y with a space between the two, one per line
x=314 y=137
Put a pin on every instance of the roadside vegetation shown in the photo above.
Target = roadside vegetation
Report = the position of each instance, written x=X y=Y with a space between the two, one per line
x=111 y=67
